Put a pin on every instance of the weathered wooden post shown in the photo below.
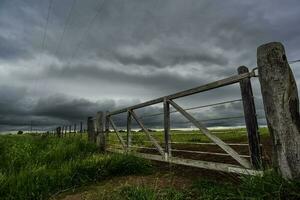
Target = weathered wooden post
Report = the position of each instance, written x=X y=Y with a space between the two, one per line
x=70 y=130
x=281 y=103
x=66 y=129
x=250 y=119
x=58 y=131
x=129 y=119
x=167 y=128
x=62 y=131
x=81 y=127
x=90 y=129
x=75 y=129
x=100 y=127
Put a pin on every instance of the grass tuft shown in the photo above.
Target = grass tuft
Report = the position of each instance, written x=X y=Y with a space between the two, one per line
x=34 y=167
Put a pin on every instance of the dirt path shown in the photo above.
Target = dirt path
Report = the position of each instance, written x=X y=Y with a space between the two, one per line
x=165 y=176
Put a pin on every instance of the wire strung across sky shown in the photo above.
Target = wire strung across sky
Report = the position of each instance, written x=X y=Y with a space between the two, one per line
x=101 y=6
x=294 y=61
x=194 y=108
x=43 y=43
x=65 y=27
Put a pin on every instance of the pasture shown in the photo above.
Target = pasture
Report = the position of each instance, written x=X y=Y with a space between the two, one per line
x=42 y=167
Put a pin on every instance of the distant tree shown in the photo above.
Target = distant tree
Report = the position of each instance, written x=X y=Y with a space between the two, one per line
x=20 y=132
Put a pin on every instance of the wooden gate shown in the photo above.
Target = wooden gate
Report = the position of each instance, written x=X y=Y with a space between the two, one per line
x=164 y=150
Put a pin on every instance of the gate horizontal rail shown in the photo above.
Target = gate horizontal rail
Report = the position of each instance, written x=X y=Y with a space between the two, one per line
x=213 y=85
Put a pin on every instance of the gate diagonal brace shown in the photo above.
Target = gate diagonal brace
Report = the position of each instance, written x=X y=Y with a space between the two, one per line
x=214 y=138
x=117 y=133
x=155 y=143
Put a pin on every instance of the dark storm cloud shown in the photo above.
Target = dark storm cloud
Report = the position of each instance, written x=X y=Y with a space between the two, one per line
x=17 y=109
x=64 y=107
x=171 y=57
x=133 y=50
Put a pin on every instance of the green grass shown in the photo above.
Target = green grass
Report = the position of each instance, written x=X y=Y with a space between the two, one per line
x=270 y=186
x=35 y=167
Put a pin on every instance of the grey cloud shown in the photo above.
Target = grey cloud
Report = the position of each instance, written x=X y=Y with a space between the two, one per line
x=64 y=107
x=175 y=45
x=177 y=57
x=10 y=50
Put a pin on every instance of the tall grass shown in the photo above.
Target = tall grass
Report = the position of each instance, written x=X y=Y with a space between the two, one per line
x=35 y=167
x=270 y=186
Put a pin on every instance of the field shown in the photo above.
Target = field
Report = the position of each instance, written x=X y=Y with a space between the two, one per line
x=192 y=144
x=36 y=167
x=45 y=167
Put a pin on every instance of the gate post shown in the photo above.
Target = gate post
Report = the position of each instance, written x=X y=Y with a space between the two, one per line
x=250 y=119
x=100 y=123
x=167 y=128
x=281 y=103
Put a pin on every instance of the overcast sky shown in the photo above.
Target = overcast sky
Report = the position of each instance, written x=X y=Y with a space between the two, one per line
x=63 y=60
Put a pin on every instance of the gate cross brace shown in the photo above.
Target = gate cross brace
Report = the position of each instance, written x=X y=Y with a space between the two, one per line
x=214 y=138
x=117 y=133
x=155 y=143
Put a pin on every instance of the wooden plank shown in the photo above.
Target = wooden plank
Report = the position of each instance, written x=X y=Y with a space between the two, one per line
x=199 y=143
x=188 y=151
x=214 y=138
x=128 y=130
x=251 y=120
x=196 y=163
x=154 y=142
x=167 y=128
x=213 y=85
x=117 y=133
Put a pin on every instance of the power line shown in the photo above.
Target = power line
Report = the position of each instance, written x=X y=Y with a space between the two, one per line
x=47 y=22
x=44 y=38
x=65 y=26
x=101 y=5
x=196 y=107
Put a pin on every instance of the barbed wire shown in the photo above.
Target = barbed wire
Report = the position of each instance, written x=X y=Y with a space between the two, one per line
x=294 y=61
x=194 y=108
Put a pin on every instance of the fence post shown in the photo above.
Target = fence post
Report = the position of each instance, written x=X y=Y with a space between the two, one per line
x=74 y=129
x=62 y=131
x=167 y=128
x=281 y=103
x=100 y=123
x=250 y=119
x=90 y=129
x=58 y=131
x=66 y=129
x=129 y=120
